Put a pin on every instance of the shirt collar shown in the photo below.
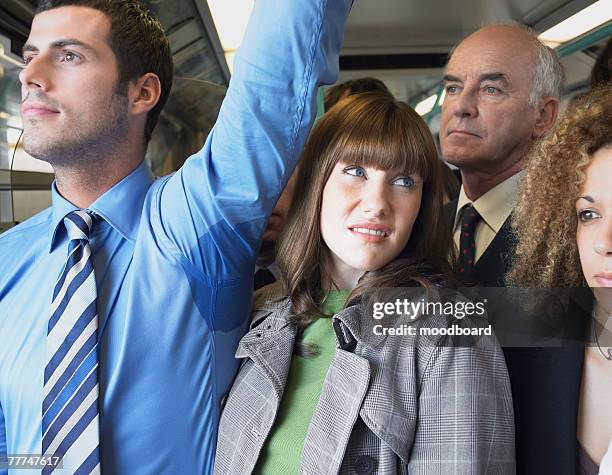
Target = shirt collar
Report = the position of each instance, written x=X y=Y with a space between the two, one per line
x=120 y=206
x=495 y=205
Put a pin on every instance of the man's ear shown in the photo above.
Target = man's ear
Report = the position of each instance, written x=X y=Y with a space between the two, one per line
x=547 y=110
x=144 y=93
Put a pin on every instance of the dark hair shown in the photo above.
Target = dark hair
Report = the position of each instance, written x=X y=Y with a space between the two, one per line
x=354 y=86
x=138 y=41
x=601 y=74
x=452 y=185
x=369 y=129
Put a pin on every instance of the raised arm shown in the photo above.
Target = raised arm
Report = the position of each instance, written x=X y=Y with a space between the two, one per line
x=214 y=210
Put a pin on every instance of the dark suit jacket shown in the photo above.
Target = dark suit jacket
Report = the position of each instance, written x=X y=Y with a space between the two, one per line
x=545 y=381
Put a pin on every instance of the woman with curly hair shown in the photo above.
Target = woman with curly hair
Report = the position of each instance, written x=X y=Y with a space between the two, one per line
x=563 y=223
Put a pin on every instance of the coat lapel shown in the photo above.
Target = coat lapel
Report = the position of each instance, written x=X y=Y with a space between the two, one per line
x=389 y=421
x=270 y=346
x=382 y=411
x=337 y=410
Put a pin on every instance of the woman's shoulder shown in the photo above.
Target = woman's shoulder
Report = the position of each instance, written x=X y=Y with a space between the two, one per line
x=269 y=296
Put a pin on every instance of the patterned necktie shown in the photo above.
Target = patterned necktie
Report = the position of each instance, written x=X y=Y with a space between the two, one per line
x=70 y=423
x=467 y=245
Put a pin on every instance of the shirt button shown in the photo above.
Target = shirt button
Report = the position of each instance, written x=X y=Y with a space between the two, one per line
x=365 y=465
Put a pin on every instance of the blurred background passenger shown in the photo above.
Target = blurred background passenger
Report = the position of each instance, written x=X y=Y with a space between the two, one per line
x=319 y=388
x=602 y=69
x=563 y=222
x=451 y=184
x=354 y=86
x=267 y=271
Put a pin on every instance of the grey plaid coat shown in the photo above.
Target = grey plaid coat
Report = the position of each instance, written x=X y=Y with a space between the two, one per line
x=388 y=404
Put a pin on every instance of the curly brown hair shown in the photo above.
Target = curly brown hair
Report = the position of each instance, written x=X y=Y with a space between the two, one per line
x=544 y=220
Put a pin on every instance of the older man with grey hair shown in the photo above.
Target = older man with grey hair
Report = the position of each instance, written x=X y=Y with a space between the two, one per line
x=502 y=94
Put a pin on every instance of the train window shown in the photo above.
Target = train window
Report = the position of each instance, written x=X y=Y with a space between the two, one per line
x=24 y=181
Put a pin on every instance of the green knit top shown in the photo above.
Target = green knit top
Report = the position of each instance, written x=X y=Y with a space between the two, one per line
x=282 y=451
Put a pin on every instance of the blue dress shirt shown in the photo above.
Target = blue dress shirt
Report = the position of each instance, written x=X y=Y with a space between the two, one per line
x=174 y=260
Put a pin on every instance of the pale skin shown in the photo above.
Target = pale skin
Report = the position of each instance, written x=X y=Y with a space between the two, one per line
x=487 y=126
x=68 y=84
x=367 y=216
x=594 y=239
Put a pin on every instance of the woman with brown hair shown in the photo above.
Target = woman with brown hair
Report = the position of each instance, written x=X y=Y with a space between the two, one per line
x=326 y=385
x=563 y=223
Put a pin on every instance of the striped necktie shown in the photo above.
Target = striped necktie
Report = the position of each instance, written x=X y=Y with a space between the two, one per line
x=70 y=423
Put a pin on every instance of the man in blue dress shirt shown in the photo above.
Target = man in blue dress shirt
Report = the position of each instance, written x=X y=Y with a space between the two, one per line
x=173 y=258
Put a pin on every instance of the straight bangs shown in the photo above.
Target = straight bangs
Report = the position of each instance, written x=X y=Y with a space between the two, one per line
x=373 y=130
x=376 y=131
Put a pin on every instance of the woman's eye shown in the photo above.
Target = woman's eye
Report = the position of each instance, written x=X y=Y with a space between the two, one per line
x=587 y=215
x=355 y=171
x=404 y=181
